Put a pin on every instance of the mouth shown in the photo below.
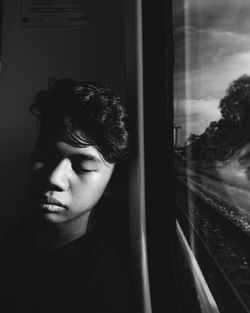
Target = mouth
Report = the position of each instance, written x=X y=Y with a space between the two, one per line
x=49 y=204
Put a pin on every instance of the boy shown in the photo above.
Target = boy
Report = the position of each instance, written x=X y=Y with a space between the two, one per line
x=56 y=260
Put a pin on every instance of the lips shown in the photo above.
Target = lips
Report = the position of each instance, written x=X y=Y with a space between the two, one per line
x=50 y=203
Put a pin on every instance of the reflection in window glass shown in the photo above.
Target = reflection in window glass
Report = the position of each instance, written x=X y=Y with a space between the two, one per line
x=212 y=147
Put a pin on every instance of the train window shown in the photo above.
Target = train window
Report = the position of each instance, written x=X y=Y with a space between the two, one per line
x=212 y=153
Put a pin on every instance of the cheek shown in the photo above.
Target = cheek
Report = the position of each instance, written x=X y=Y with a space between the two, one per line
x=34 y=179
x=91 y=189
x=34 y=170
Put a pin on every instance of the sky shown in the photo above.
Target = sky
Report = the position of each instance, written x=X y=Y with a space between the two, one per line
x=212 y=49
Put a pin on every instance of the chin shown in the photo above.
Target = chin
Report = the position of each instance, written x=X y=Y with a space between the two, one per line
x=53 y=218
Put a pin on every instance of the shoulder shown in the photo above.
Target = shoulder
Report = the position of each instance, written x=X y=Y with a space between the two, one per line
x=111 y=282
x=100 y=255
x=96 y=273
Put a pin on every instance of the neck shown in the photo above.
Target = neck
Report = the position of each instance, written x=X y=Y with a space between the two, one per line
x=52 y=235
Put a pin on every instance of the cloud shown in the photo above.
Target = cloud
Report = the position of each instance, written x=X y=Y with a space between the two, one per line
x=200 y=92
x=212 y=48
x=221 y=14
x=211 y=79
x=196 y=47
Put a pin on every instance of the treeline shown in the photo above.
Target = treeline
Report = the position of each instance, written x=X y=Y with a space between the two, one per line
x=223 y=137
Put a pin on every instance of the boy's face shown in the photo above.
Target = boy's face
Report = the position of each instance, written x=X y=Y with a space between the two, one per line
x=65 y=181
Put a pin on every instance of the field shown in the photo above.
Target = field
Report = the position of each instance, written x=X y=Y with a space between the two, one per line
x=223 y=185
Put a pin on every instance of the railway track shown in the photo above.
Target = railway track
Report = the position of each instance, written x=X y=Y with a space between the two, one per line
x=222 y=250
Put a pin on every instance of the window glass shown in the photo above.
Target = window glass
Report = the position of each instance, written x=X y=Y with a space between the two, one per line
x=212 y=148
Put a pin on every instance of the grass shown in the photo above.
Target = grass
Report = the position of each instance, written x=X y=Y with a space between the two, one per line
x=224 y=182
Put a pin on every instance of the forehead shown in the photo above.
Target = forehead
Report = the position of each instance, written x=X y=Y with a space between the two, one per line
x=87 y=152
x=68 y=149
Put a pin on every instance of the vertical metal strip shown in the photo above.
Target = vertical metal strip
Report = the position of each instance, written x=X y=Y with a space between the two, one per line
x=139 y=58
x=134 y=96
x=206 y=299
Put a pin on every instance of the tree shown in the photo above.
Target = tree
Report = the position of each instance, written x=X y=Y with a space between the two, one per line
x=192 y=139
x=223 y=137
x=235 y=106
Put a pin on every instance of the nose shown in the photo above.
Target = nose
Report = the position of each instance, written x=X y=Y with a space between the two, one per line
x=59 y=176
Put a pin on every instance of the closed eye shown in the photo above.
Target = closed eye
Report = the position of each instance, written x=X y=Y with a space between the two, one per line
x=79 y=168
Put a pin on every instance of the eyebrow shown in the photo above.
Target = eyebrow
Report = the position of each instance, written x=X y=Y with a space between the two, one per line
x=85 y=157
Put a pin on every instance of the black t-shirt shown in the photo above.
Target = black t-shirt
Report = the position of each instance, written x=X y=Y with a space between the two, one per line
x=84 y=276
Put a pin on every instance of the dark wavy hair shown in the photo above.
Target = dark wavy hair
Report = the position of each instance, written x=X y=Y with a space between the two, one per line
x=83 y=114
